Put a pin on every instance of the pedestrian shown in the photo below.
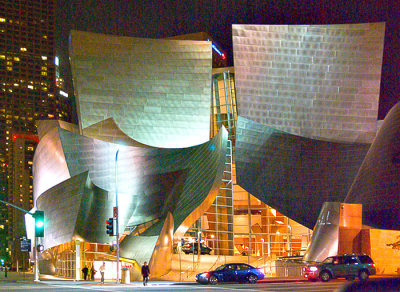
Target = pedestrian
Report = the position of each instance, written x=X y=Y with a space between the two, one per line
x=102 y=270
x=92 y=272
x=85 y=271
x=145 y=273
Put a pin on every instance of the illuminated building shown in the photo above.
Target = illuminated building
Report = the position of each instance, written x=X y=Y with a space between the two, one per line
x=27 y=93
x=308 y=102
x=168 y=168
x=283 y=149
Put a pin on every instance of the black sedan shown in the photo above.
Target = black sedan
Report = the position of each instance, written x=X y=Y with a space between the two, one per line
x=235 y=272
x=188 y=248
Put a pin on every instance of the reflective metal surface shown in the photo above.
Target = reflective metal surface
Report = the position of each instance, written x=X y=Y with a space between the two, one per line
x=335 y=232
x=152 y=183
x=315 y=81
x=153 y=88
x=377 y=184
x=289 y=172
x=325 y=238
x=307 y=98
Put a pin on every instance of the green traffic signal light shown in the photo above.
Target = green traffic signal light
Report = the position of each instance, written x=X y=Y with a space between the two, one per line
x=39 y=223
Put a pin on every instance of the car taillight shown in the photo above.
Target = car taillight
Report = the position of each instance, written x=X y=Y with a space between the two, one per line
x=373 y=265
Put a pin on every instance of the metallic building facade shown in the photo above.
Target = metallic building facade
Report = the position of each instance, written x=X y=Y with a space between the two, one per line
x=307 y=99
x=377 y=183
x=151 y=88
x=152 y=183
x=148 y=101
x=285 y=170
x=315 y=81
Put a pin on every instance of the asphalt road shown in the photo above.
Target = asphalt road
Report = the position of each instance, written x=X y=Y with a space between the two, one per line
x=165 y=286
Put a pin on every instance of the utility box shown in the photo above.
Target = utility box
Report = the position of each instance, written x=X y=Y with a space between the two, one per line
x=126 y=277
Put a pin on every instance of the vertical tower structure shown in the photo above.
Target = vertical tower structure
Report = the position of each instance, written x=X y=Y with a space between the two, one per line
x=27 y=93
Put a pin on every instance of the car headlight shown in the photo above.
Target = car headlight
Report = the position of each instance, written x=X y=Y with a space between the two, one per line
x=313 y=269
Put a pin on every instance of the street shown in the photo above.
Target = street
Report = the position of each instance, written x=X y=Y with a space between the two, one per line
x=169 y=286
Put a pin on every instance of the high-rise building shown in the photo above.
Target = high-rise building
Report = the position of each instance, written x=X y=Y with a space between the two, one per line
x=27 y=93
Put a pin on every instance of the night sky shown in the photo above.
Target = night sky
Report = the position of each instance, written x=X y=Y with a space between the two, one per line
x=159 y=19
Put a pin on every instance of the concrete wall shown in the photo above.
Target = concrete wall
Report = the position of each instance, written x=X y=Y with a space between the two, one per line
x=385 y=250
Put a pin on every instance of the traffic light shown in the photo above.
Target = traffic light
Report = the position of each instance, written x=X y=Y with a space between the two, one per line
x=110 y=226
x=2 y=262
x=39 y=223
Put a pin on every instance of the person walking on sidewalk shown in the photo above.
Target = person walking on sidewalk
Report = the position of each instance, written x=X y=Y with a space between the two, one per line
x=145 y=273
x=92 y=272
x=85 y=271
x=102 y=270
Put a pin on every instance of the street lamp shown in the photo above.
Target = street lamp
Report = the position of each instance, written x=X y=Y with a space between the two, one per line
x=262 y=252
x=116 y=213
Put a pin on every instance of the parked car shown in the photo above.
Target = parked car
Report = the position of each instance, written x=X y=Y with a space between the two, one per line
x=235 y=272
x=343 y=266
x=187 y=248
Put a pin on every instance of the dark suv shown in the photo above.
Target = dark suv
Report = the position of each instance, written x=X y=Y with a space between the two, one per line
x=344 y=266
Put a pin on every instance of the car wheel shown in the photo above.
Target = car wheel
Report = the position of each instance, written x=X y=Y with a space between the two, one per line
x=363 y=275
x=252 y=279
x=213 y=280
x=325 y=276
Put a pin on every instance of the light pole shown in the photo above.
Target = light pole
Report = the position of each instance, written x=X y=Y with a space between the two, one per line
x=262 y=252
x=116 y=213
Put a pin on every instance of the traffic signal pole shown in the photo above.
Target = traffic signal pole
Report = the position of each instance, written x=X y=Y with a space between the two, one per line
x=36 y=277
x=35 y=251
x=116 y=215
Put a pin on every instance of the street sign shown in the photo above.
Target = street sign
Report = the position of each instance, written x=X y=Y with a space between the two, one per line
x=115 y=212
x=25 y=245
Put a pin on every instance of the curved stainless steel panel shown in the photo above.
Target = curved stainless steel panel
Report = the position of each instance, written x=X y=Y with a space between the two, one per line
x=316 y=81
x=108 y=131
x=153 y=88
x=61 y=205
x=325 y=238
x=377 y=183
x=152 y=182
x=49 y=164
x=289 y=172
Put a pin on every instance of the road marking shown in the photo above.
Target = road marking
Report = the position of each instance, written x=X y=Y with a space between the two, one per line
x=96 y=288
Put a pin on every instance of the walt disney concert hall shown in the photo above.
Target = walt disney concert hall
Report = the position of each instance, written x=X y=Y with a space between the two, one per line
x=309 y=152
